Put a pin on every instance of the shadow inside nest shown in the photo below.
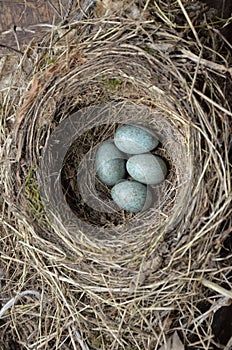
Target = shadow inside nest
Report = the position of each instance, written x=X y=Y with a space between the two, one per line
x=69 y=179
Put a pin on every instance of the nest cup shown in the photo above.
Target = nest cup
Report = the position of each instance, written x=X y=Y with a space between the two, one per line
x=101 y=90
x=170 y=197
x=92 y=93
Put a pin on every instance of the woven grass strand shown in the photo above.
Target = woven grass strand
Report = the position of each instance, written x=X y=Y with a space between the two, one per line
x=132 y=290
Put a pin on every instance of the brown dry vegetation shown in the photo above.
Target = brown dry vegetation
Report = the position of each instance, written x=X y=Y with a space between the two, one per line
x=87 y=281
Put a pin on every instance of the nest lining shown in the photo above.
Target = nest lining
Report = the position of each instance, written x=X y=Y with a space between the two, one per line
x=80 y=123
x=89 y=186
x=151 y=273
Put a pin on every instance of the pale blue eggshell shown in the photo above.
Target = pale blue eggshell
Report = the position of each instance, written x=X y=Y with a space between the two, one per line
x=135 y=139
x=110 y=164
x=147 y=168
x=132 y=196
x=112 y=171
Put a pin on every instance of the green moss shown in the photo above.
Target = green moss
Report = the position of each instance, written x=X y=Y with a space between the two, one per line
x=113 y=84
x=32 y=196
x=46 y=60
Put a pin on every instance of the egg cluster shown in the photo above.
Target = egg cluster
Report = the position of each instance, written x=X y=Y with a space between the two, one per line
x=128 y=156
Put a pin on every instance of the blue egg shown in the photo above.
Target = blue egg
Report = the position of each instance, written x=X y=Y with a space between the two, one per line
x=110 y=164
x=132 y=196
x=135 y=139
x=147 y=168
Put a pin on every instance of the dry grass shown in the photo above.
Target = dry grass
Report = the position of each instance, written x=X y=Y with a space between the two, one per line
x=126 y=286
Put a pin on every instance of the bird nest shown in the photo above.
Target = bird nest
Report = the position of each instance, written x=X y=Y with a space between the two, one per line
x=95 y=276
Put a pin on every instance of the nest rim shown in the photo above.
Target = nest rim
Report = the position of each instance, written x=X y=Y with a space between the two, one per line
x=163 y=276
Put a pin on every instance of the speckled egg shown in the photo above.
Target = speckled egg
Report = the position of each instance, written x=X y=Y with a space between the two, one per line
x=147 y=168
x=132 y=196
x=110 y=164
x=135 y=139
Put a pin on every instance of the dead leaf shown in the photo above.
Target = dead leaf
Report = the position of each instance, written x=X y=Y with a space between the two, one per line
x=173 y=343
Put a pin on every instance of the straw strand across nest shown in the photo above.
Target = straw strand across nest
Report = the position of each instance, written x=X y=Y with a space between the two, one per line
x=113 y=280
